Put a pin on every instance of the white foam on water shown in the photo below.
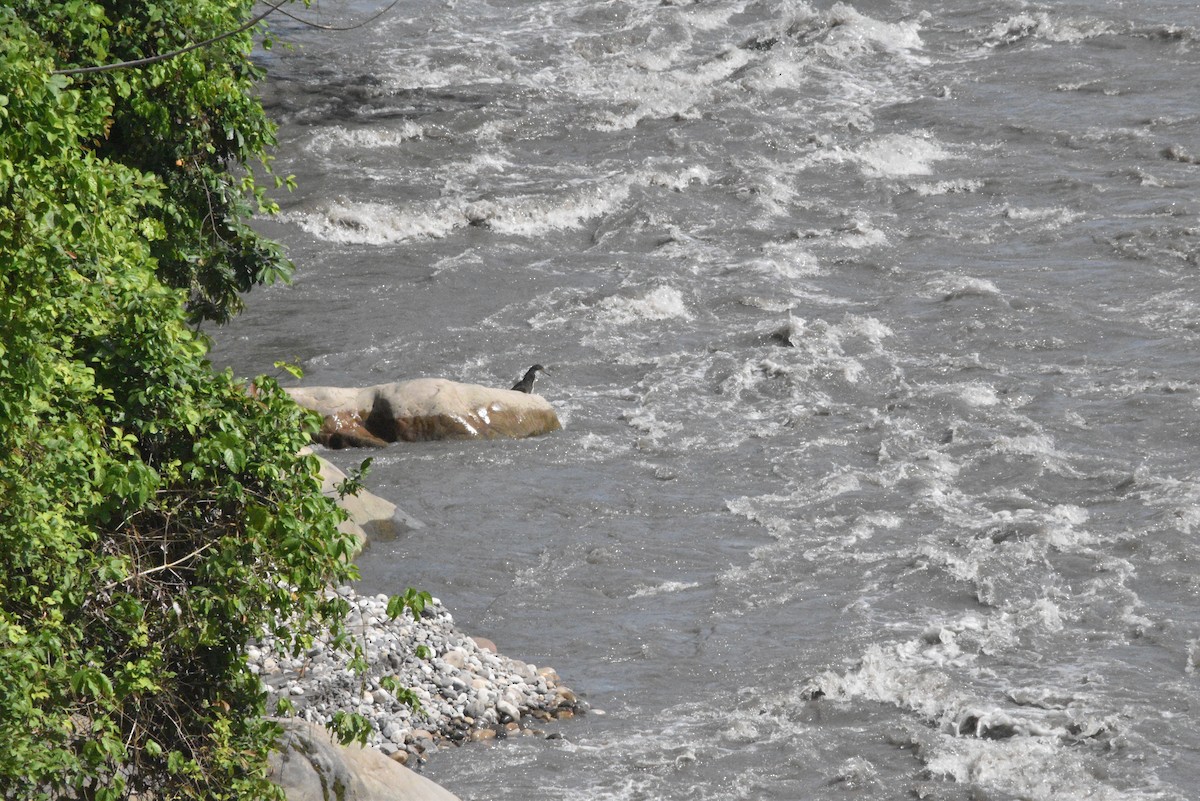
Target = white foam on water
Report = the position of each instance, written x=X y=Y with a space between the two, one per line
x=786 y=262
x=1034 y=768
x=680 y=179
x=956 y=287
x=483 y=162
x=667 y=756
x=769 y=185
x=992 y=546
x=854 y=32
x=1176 y=502
x=948 y=187
x=639 y=94
x=780 y=70
x=822 y=346
x=1026 y=445
x=533 y=216
x=1049 y=218
x=412 y=70
x=869 y=328
x=706 y=17
x=861 y=235
x=978 y=395
x=837 y=65
x=375 y=223
x=768 y=304
x=1059 y=527
x=569 y=209
x=786 y=378
x=1027 y=747
x=1042 y=26
x=661 y=303
x=647 y=423
x=900 y=155
x=644 y=591
x=596 y=443
x=338 y=137
x=371 y=223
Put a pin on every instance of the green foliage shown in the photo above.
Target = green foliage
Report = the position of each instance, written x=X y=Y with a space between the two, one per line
x=350 y=727
x=186 y=121
x=295 y=371
x=401 y=692
x=355 y=481
x=414 y=601
x=154 y=514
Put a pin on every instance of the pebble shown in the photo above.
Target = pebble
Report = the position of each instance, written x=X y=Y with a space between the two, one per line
x=507 y=710
x=456 y=658
x=465 y=688
x=483 y=643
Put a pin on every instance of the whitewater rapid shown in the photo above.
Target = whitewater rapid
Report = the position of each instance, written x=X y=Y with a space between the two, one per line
x=873 y=329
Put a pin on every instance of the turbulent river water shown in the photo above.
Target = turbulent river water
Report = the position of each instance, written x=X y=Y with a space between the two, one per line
x=875 y=331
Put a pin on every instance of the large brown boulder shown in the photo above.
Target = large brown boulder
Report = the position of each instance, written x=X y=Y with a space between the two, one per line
x=424 y=409
x=309 y=766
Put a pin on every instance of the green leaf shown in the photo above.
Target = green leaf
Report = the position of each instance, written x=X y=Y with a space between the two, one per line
x=401 y=693
x=293 y=370
x=413 y=600
x=92 y=682
x=350 y=727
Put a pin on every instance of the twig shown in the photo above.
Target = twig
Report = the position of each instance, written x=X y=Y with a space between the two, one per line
x=178 y=561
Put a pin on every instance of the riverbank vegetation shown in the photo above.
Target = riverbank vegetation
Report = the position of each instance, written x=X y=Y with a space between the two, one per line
x=154 y=514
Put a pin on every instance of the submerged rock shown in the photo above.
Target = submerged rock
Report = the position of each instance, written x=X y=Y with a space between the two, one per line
x=424 y=409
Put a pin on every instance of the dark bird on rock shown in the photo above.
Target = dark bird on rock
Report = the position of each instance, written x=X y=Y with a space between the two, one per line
x=526 y=383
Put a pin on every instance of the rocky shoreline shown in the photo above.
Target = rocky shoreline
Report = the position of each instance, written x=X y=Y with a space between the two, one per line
x=461 y=689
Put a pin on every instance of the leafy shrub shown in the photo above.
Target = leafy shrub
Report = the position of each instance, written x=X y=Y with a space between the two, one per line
x=154 y=514
x=184 y=120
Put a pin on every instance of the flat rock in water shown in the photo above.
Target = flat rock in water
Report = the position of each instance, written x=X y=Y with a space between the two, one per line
x=310 y=766
x=370 y=517
x=424 y=409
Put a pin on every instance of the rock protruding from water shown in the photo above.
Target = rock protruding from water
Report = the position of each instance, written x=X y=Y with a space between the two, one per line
x=424 y=409
x=369 y=516
x=310 y=766
x=427 y=684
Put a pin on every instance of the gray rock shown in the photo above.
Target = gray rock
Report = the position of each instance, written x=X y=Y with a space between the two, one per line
x=370 y=517
x=474 y=707
x=507 y=711
x=309 y=766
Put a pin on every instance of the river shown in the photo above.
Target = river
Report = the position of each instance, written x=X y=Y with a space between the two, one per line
x=874 y=331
